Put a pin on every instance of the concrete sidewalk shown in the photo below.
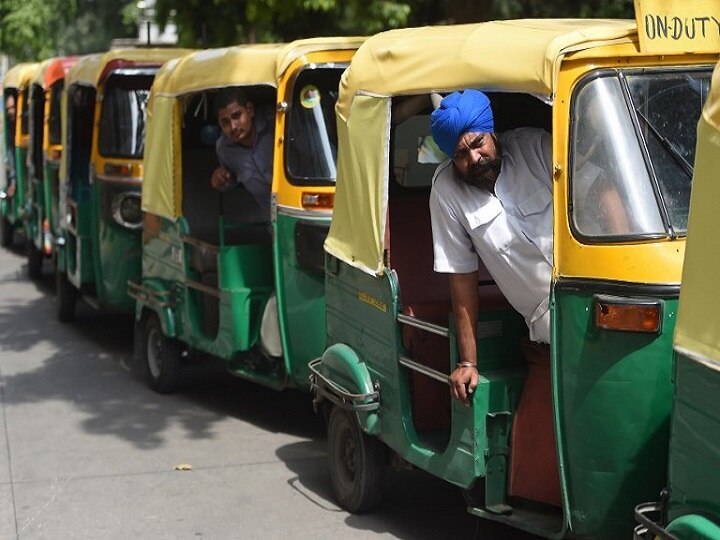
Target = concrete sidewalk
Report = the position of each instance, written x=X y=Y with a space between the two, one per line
x=87 y=451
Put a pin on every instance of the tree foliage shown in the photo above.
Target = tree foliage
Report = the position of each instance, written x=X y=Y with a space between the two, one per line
x=39 y=29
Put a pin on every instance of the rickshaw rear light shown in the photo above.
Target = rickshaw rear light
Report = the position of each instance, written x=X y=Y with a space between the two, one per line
x=318 y=201
x=628 y=315
x=115 y=169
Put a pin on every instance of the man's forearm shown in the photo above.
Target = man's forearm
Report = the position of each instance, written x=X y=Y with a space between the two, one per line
x=464 y=291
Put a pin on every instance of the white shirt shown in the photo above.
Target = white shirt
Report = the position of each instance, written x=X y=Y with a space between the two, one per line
x=510 y=231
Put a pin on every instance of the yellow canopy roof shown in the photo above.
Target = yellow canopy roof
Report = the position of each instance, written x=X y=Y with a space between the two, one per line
x=247 y=65
x=20 y=75
x=240 y=65
x=89 y=70
x=511 y=56
x=698 y=316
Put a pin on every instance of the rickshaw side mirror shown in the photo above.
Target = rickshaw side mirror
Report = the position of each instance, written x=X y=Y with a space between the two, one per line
x=209 y=134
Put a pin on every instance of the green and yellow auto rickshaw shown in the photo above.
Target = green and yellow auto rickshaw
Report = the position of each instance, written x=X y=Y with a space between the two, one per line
x=44 y=152
x=690 y=505
x=15 y=145
x=567 y=450
x=103 y=135
x=251 y=294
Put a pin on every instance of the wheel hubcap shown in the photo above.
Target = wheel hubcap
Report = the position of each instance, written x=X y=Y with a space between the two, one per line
x=154 y=352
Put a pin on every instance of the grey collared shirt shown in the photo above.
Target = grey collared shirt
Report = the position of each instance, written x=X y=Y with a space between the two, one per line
x=251 y=168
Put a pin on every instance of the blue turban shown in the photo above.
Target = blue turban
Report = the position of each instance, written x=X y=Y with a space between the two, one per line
x=460 y=112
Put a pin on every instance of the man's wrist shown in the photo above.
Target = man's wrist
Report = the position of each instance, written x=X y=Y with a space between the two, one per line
x=466 y=364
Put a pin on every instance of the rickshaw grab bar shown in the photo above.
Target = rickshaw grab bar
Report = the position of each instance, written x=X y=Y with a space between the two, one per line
x=423 y=325
x=338 y=395
x=420 y=368
x=647 y=525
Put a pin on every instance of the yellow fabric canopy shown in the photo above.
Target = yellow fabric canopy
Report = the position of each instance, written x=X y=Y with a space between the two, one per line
x=511 y=56
x=89 y=69
x=244 y=65
x=20 y=75
x=698 y=316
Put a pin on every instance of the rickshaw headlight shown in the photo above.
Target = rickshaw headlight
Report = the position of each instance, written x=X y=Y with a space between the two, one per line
x=628 y=314
x=127 y=211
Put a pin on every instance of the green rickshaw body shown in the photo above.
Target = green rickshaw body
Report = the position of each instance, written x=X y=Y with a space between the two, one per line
x=44 y=151
x=15 y=149
x=212 y=282
x=101 y=174
x=613 y=299
x=690 y=506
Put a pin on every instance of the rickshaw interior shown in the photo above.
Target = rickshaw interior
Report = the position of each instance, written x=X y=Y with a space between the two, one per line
x=210 y=219
x=81 y=114
x=425 y=295
x=37 y=117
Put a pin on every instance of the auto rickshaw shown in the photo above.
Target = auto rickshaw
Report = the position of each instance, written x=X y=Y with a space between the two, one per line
x=564 y=450
x=103 y=134
x=689 y=507
x=212 y=282
x=44 y=151
x=15 y=144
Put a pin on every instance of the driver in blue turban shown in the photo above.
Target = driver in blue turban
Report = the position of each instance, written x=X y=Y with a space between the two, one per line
x=491 y=200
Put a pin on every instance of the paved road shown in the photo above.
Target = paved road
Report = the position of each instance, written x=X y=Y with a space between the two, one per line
x=87 y=451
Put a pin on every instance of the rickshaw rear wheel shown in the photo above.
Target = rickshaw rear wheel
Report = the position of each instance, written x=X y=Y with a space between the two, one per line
x=162 y=357
x=35 y=260
x=356 y=462
x=7 y=233
x=66 y=297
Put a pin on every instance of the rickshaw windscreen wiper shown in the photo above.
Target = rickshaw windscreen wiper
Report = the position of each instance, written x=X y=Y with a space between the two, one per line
x=667 y=145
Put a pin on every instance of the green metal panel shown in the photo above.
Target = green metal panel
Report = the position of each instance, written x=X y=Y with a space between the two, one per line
x=15 y=215
x=613 y=395
x=362 y=312
x=694 y=475
x=301 y=302
x=116 y=251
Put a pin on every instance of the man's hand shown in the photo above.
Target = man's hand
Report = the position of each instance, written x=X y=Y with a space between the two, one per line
x=463 y=381
x=220 y=179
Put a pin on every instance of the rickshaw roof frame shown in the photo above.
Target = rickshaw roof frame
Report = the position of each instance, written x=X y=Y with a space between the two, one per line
x=54 y=69
x=514 y=56
x=210 y=69
x=20 y=75
x=240 y=65
x=475 y=55
x=91 y=70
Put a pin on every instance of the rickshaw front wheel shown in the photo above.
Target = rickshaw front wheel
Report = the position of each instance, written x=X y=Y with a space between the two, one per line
x=162 y=358
x=356 y=462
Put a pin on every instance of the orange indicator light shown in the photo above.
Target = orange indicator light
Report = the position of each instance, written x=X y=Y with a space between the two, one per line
x=628 y=315
x=318 y=201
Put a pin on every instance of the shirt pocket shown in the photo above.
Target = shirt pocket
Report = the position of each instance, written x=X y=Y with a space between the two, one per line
x=535 y=204
x=536 y=221
x=489 y=228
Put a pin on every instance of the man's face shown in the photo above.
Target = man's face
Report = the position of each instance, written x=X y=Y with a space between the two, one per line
x=10 y=108
x=477 y=159
x=236 y=122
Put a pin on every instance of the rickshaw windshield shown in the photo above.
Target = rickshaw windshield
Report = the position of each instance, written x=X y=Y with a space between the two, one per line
x=123 y=115
x=54 y=123
x=633 y=151
x=311 y=152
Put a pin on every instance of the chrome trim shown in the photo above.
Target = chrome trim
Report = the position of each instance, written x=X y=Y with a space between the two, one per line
x=423 y=325
x=338 y=395
x=292 y=211
x=420 y=368
x=202 y=287
x=699 y=358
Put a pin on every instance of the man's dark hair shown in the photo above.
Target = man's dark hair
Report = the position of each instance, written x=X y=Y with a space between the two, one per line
x=227 y=95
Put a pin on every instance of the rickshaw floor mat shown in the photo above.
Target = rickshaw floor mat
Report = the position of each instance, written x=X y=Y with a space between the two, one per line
x=533 y=453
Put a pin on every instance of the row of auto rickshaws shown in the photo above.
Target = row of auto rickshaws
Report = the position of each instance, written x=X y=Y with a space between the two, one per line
x=109 y=158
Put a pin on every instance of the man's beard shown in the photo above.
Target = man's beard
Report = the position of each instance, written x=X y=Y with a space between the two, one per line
x=485 y=172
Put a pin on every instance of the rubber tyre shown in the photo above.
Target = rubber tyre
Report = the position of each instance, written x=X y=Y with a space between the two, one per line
x=65 y=296
x=356 y=463
x=7 y=234
x=35 y=260
x=161 y=358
